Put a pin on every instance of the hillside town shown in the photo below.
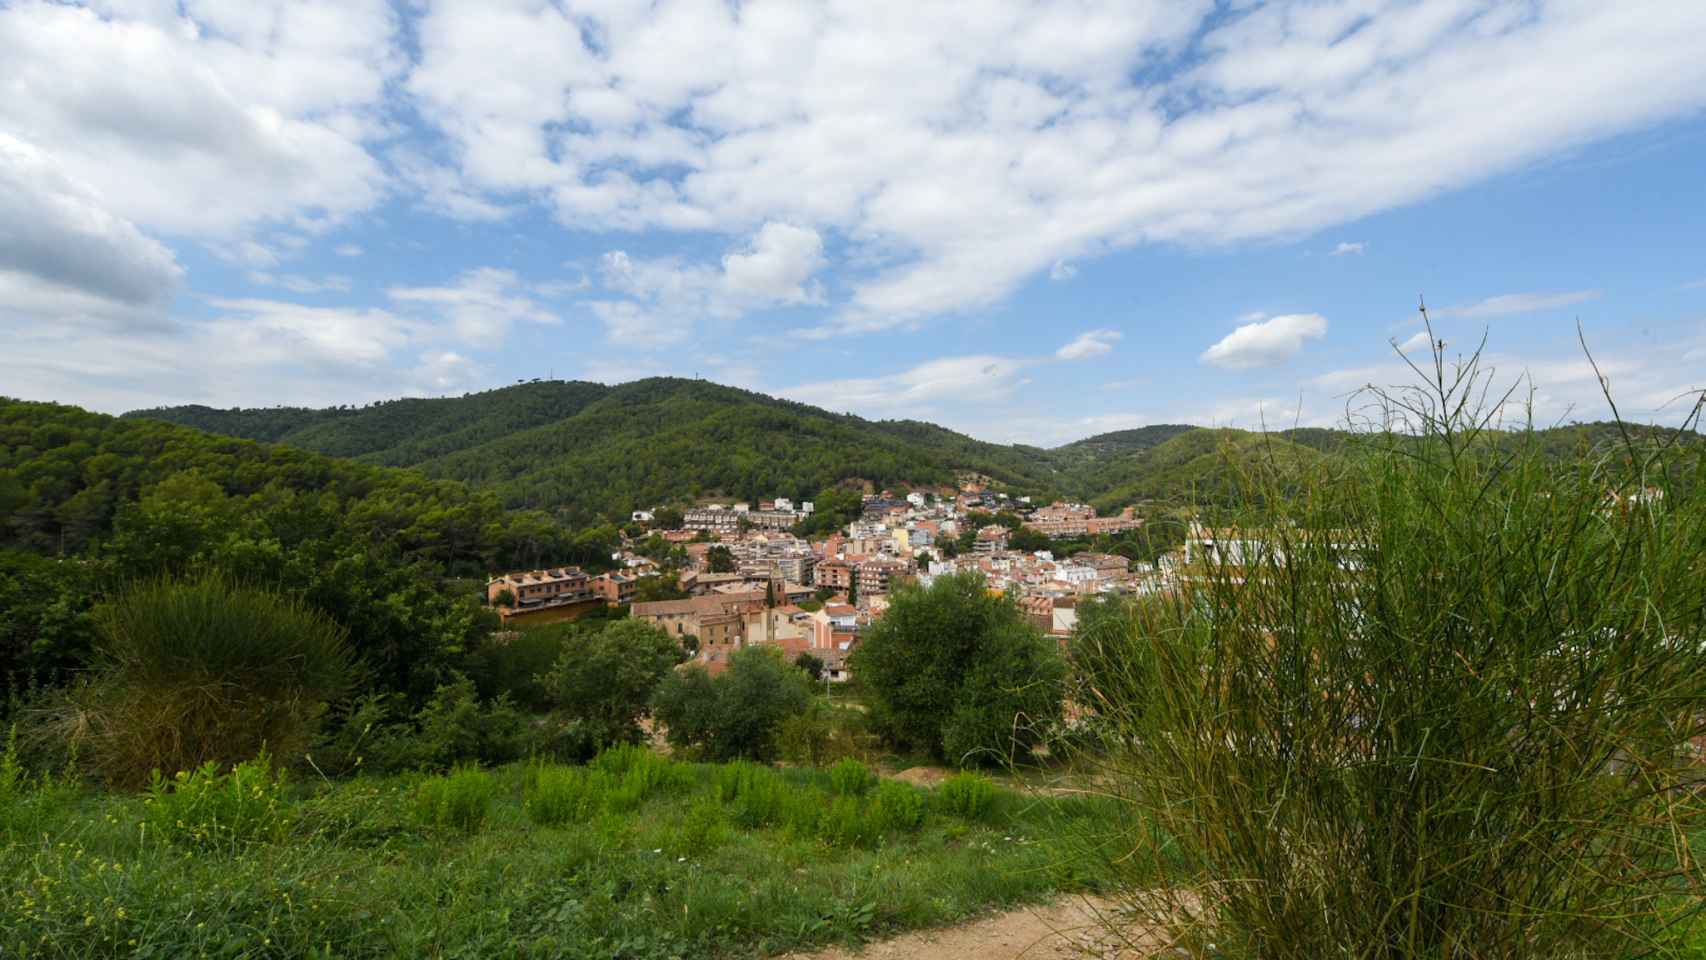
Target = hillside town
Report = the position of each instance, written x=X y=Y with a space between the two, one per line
x=739 y=575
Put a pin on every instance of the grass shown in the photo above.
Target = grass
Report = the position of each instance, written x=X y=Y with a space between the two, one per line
x=632 y=856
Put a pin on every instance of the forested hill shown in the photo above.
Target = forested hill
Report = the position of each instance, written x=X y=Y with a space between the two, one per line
x=587 y=451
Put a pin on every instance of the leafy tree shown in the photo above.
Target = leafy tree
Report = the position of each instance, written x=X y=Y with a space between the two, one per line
x=738 y=712
x=811 y=664
x=604 y=681
x=1026 y=540
x=720 y=560
x=668 y=518
x=959 y=672
x=504 y=598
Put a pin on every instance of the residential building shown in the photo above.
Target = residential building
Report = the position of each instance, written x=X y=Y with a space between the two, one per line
x=542 y=587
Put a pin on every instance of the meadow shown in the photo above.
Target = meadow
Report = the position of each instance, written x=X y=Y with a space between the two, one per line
x=632 y=856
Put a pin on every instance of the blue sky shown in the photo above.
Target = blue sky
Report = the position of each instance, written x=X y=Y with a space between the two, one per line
x=1030 y=222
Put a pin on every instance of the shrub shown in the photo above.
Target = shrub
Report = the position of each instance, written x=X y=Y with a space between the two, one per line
x=512 y=662
x=1434 y=702
x=203 y=670
x=458 y=800
x=823 y=734
x=958 y=672
x=205 y=806
x=704 y=828
x=850 y=778
x=967 y=796
x=736 y=714
x=897 y=807
x=604 y=680
x=557 y=796
x=846 y=823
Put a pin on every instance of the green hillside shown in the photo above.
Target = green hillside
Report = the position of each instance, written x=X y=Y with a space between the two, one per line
x=586 y=451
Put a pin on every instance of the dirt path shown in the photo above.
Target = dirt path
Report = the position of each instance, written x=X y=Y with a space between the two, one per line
x=1064 y=930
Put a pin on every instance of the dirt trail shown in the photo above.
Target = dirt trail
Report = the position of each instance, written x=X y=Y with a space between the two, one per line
x=1067 y=929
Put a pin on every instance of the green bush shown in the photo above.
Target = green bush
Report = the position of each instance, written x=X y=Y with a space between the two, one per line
x=737 y=713
x=846 y=823
x=897 y=807
x=850 y=778
x=703 y=829
x=1434 y=699
x=512 y=661
x=556 y=796
x=960 y=673
x=967 y=796
x=206 y=806
x=203 y=670
x=604 y=680
x=823 y=734
x=458 y=800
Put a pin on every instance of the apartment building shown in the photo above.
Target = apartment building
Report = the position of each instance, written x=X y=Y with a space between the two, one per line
x=535 y=588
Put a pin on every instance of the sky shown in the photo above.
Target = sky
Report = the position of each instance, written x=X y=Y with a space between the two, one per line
x=1031 y=222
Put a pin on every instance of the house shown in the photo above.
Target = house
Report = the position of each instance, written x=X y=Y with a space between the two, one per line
x=876 y=576
x=712 y=620
x=614 y=587
x=835 y=574
x=991 y=539
x=542 y=587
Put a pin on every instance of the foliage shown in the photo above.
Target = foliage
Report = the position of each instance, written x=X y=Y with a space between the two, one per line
x=604 y=680
x=719 y=560
x=811 y=664
x=736 y=713
x=675 y=877
x=511 y=662
x=959 y=673
x=205 y=806
x=824 y=734
x=967 y=796
x=126 y=500
x=458 y=800
x=595 y=452
x=557 y=796
x=850 y=778
x=202 y=670
x=1440 y=704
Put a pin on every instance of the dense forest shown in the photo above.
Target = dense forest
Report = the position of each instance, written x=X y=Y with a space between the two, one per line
x=90 y=503
x=587 y=453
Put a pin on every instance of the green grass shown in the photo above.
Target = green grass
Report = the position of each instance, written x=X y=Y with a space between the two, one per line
x=649 y=858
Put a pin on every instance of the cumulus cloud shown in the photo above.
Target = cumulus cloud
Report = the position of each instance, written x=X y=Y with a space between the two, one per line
x=1266 y=342
x=480 y=306
x=1091 y=344
x=266 y=106
x=1346 y=248
x=667 y=296
x=1062 y=271
x=777 y=266
x=959 y=380
x=62 y=253
x=1417 y=341
x=1513 y=303
x=961 y=153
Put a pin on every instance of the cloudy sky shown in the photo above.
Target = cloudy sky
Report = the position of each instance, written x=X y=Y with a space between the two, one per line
x=1029 y=221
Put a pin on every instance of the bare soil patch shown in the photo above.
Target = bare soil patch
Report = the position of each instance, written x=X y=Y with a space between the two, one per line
x=1068 y=929
x=923 y=776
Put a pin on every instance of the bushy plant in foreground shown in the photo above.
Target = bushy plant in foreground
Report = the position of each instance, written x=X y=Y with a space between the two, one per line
x=207 y=806
x=967 y=796
x=203 y=670
x=1435 y=702
x=850 y=778
x=458 y=800
x=556 y=796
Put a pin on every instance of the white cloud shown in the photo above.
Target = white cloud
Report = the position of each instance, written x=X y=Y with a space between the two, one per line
x=61 y=252
x=349 y=250
x=480 y=306
x=1513 y=303
x=666 y=296
x=1266 y=343
x=1345 y=248
x=1091 y=344
x=203 y=118
x=777 y=266
x=1417 y=341
x=926 y=387
x=961 y=150
x=1062 y=271
x=296 y=283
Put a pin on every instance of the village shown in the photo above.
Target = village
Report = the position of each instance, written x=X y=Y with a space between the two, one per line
x=745 y=578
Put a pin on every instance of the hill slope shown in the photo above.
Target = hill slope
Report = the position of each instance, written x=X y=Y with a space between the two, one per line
x=587 y=451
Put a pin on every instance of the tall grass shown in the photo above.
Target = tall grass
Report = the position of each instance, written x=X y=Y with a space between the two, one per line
x=203 y=670
x=1438 y=703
